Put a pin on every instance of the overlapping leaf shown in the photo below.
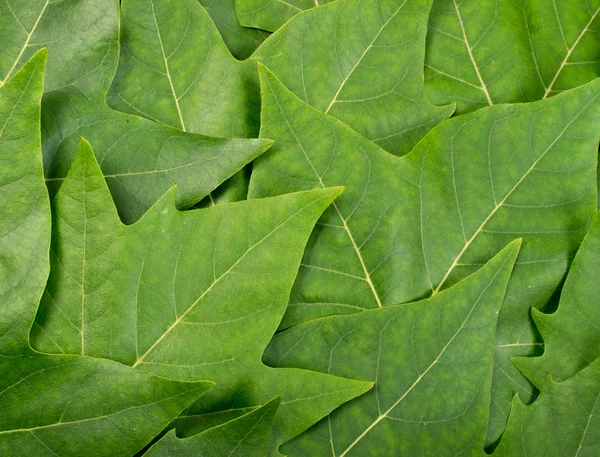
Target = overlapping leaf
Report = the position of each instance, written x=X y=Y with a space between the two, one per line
x=440 y=348
x=271 y=14
x=408 y=227
x=246 y=436
x=571 y=336
x=173 y=59
x=563 y=422
x=186 y=295
x=502 y=51
x=57 y=405
x=141 y=159
x=241 y=41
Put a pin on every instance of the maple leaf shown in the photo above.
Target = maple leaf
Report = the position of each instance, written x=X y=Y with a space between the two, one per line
x=185 y=295
x=571 y=340
x=484 y=53
x=175 y=68
x=408 y=227
x=562 y=422
x=57 y=404
x=431 y=361
x=140 y=159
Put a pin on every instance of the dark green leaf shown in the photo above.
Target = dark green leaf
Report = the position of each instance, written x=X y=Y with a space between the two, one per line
x=571 y=336
x=431 y=361
x=563 y=422
x=142 y=159
x=408 y=227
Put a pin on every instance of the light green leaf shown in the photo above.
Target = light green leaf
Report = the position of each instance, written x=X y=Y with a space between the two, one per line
x=571 y=336
x=406 y=228
x=186 y=295
x=143 y=159
x=246 y=436
x=173 y=59
x=432 y=363
x=271 y=14
x=370 y=77
x=241 y=41
x=506 y=51
x=563 y=422
x=174 y=67
x=57 y=405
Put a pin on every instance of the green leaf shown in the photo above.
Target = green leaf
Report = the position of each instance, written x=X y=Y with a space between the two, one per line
x=571 y=337
x=173 y=59
x=271 y=14
x=57 y=405
x=142 y=159
x=246 y=436
x=432 y=363
x=370 y=77
x=241 y=41
x=186 y=295
x=175 y=68
x=406 y=228
x=484 y=53
x=563 y=422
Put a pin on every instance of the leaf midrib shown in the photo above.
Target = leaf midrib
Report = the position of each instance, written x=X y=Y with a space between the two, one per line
x=345 y=80
x=367 y=277
x=217 y=280
x=508 y=195
x=422 y=375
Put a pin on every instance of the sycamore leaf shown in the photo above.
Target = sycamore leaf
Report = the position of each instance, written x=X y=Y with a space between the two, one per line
x=241 y=41
x=173 y=58
x=503 y=51
x=141 y=159
x=52 y=404
x=172 y=61
x=571 y=337
x=438 y=352
x=186 y=295
x=564 y=421
x=271 y=14
x=246 y=436
x=472 y=185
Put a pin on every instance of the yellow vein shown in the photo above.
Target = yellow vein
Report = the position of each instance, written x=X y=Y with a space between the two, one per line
x=25 y=44
x=470 y=50
x=422 y=375
x=334 y=205
x=290 y=5
x=371 y=44
x=510 y=192
x=587 y=426
x=214 y=283
x=569 y=52
x=83 y=260
x=162 y=49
